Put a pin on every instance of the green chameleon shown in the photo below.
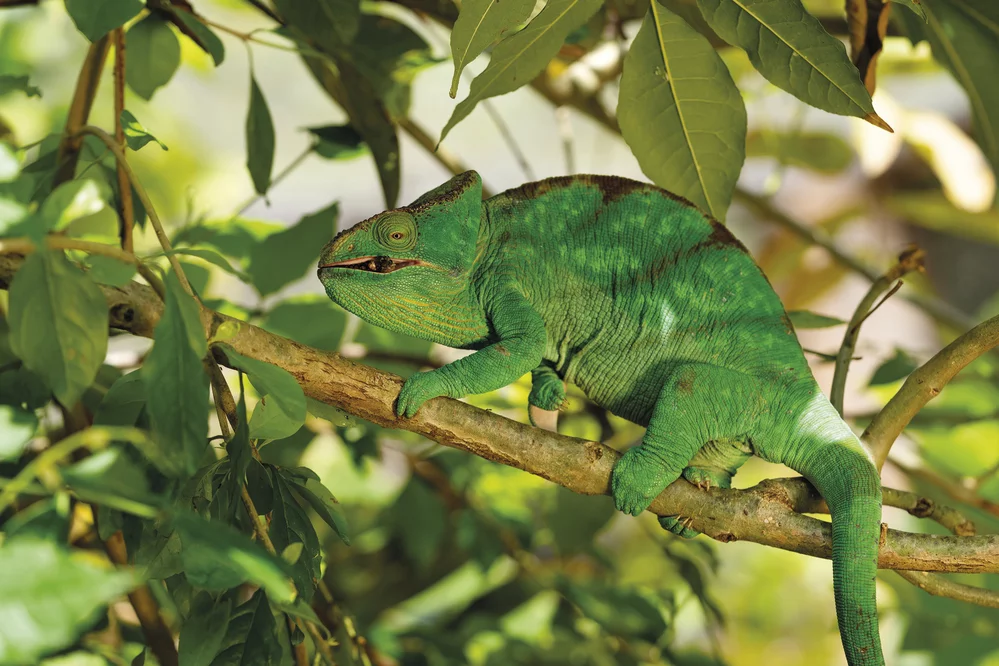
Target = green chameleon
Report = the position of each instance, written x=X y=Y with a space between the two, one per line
x=648 y=305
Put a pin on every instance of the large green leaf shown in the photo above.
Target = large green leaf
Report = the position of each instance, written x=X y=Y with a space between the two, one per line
x=251 y=637
x=521 y=57
x=789 y=47
x=330 y=23
x=681 y=113
x=290 y=527
x=285 y=256
x=259 y=139
x=58 y=324
x=153 y=55
x=216 y=556
x=322 y=501
x=48 y=597
x=281 y=411
x=479 y=24
x=964 y=36
x=308 y=318
x=176 y=384
x=204 y=630
x=96 y=18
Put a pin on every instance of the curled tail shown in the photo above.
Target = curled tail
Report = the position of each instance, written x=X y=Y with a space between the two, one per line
x=844 y=474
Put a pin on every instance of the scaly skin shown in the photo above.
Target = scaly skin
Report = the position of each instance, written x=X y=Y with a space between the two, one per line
x=653 y=309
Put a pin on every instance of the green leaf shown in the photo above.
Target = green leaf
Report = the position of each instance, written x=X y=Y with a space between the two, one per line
x=212 y=257
x=620 y=611
x=289 y=526
x=21 y=387
x=71 y=201
x=310 y=319
x=792 y=50
x=259 y=139
x=915 y=6
x=17 y=427
x=176 y=384
x=251 y=638
x=807 y=319
x=216 y=556
x=96 y=18
x=201 y=34
x=123 y=402
x=337 y=142
x=330 y=23
x=58 y=324
x=49 y=597
x=897 y=367
x=10 y=83
x=110 y=472
x=135 y=134
x=680 y=112
x=322 y=501
x=285 y=256
x=480 y=23
x=203 y=632
x=521 y=57
x=10 y=166
x=281 y=411
x=420 y=520
x=577 y=519
x=153 y=55
x=109 y=271
x=824 y=153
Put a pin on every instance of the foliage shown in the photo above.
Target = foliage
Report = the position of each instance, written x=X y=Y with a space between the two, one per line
x=223 y=487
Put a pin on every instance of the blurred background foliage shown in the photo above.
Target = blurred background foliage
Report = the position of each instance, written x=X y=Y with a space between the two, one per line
x=456 y=560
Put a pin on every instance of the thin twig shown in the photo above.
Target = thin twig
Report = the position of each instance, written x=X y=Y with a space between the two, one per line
x=952 y=488
x=939 y=586
x=285 y=172
x=924 y=384
x=910 y=260
x=79 y=111
x=127 y=211
x=154 y=219
x=509 y=140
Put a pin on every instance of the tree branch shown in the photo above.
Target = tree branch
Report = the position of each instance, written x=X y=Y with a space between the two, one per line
x=79 y=111
x=767 y=514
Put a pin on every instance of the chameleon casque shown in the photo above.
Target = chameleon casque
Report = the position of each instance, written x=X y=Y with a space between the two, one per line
x=648 y=305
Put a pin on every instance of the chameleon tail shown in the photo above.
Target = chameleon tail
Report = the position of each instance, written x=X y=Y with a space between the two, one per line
x=845 y=476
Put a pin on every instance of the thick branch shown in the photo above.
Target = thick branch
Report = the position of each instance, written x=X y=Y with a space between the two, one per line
x=765 y=514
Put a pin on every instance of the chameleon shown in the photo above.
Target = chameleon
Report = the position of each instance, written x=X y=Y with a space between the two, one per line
x=648 y=305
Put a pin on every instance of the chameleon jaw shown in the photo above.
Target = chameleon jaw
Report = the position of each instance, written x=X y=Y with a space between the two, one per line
x=373 y=264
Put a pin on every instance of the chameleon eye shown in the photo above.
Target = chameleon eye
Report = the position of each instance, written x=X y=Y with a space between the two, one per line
x=395 y=231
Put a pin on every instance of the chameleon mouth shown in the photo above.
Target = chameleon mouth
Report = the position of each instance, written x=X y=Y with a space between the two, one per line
x=379 y=264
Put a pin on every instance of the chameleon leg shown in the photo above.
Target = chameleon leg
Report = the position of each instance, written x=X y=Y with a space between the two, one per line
x=698 y=403
x=711 y=467
x=547 y=396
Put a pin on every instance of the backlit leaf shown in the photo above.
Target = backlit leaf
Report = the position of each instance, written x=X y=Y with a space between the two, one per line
x=153 y=55
x=479 y=24
x=519 y=58
x=135 y=134
x=17 y=426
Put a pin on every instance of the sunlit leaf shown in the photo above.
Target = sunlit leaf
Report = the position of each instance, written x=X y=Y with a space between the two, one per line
x=680 y=112
x=519 y=58
x=135 y=134
x=50 y=294
x=49 y=597
x=479 y=24
x=96 y=18
x=72 y=201
x=153 y=55
x=17 y=427
x=789 y=47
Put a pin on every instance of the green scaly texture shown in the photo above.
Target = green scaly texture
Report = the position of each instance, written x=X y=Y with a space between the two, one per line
x=648 y=305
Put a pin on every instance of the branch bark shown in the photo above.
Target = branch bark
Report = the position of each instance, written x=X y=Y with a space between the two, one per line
x=769 y=514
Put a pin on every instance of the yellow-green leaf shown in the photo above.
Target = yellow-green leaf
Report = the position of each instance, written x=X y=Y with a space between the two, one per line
x=792 y=50
x=479 y=24
x=521 y=57
x=681 y=113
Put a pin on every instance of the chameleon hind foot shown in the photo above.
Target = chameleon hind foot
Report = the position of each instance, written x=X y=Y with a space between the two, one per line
x=679 y=526
x=704 y=479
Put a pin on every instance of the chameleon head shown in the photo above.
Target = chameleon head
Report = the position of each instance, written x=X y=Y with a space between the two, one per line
x=404 y=267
